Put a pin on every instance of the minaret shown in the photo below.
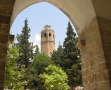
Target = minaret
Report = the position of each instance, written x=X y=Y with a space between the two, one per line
x=47 y=40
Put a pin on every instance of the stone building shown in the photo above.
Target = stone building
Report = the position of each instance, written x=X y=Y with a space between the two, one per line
x=47 y=40
x=92 y=20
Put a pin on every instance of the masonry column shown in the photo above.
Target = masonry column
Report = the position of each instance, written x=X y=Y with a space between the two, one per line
x=95 y=45
x=6 y=7
x=103 y=12
x=94 y=70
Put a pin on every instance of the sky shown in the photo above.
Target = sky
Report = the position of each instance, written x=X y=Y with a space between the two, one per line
x=38 y=15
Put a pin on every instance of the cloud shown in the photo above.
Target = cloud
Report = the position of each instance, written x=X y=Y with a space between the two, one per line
x=34 y=43
x=37 y=38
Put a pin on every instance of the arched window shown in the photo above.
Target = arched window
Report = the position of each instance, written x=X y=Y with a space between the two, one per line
x=49 y=34
x=53 y=35
x=44 y=35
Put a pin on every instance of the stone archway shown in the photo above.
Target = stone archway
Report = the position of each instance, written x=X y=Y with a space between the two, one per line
x=92 y=19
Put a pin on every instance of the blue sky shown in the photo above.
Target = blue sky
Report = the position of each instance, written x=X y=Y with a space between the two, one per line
x=38 y=16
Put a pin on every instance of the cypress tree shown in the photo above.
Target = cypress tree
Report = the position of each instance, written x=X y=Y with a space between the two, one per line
x=56 y=55
x=71 y=58
x=26 y=47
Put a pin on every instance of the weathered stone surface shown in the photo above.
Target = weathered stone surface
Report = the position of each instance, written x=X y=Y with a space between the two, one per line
x=93 y=59
x=96 y=57
x=6 y=10
x=105 y=75
x=7 y=2
x=105 y=30
x=2 y=82
x=103 y=86
x=4 y=28
x=3 y=50
x=1 y=88
x=3 y=38
x=2 y=57
x=2 y=66
x=10 y=39
x=47 y=40
x=4 y=19
x=2 y=75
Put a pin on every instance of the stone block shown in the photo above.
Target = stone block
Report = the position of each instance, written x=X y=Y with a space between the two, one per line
x=85 y=79
x=85 y=72
x=95 y=69
x=5 y=19
x=107 y=56
x=87 y=87
x=99 y=77
x=108 y=65
x=5 y=29
x=2 y=57
x=0 y=9
x=3 y=50
x=91 y=79
x=7 y=2
x=10 y=39
x=104 y=26
x=103 y=86
x=99 y=58
x=94 y=86
x=107 y=47
x=102 y=66
x=106 y=40
x=1 y=88
x=2 y=66
x=3 y=38
x=90 y=71
x=6 y=10
x=91 y=62
x=1 y=81
x=105 y=75
x=2 y=75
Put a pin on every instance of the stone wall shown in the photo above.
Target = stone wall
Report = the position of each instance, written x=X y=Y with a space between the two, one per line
x=105 y=30
x=6 y=7
x=94 y=71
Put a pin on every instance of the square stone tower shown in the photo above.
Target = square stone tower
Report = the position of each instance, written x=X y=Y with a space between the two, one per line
x=47 y=40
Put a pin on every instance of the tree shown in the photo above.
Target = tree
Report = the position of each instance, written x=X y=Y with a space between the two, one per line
x=36 y=51
x=56 y=55
x=71 y=58
x=40 y=62
x=26 y=47
x=13 y=77
x=55 y=78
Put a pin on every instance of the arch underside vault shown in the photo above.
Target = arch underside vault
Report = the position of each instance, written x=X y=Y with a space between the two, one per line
x=92 y=20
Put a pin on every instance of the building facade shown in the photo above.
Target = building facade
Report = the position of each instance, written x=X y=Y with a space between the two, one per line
x=47 y=40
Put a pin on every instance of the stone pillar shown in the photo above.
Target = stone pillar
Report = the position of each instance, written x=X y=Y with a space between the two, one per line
x=95 y=69
x=4 y=31
x=6 y=7
x=105 y=31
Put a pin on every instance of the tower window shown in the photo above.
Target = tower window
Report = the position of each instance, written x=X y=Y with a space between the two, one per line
x=53 y=35
x=44 y=35
x=49 y=34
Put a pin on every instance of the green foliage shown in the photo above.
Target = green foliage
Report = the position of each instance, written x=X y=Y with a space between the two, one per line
x=37 y=67
x=56 y=55
x=68 y=58
x=36 y=51
x=71 y=58
x=26 y=47
x=55 y=78
x=13 y=77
